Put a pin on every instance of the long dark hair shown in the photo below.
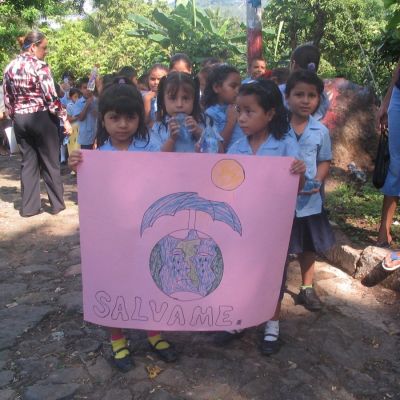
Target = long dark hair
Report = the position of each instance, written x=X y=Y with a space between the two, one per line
x=171 y=84
x=307 y=56
x=269 y=97
x=217 y=76
x=124 y=98
x=304 y=76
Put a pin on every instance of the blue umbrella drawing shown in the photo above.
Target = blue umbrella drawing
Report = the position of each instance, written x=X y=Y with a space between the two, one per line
x=190 y=201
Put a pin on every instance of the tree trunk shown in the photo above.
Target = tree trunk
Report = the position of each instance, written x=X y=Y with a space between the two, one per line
x=254 y=30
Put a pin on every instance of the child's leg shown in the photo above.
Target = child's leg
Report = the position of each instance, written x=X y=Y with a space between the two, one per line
x=388 y=209
x=307 y=295
x=119 y=344
x=160 y=346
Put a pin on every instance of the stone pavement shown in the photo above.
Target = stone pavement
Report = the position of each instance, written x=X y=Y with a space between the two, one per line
x=350 y=350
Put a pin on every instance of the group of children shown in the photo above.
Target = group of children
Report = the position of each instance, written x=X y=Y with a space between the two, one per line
x=217 y=112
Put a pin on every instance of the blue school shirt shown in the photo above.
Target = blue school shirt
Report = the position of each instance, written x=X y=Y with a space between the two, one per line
x=136 y=145
x=285 y=147
x=160 y=133
x=217 y=113
x=320 y=111
x=315 y=147
x=87 y=127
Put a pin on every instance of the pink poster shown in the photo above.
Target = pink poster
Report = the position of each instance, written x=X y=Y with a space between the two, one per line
x=179 y=241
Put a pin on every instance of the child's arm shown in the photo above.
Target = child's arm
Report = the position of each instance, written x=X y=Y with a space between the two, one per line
x=82 y=115
x=231 y=119
x=75 y=159
x=173 y=128
x=298 y=167
x=147 y=106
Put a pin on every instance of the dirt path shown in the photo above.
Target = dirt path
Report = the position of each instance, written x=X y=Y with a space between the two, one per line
x=350 y=350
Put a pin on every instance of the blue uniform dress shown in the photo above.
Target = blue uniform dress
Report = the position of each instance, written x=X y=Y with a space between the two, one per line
x=218 y=115
x=311 y=230
x=186 y=141
x=87 y=127
x=136 y=145
x=392 y=182
x=285 y=147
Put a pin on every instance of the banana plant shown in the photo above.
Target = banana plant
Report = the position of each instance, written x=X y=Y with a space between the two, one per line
x=187 y=29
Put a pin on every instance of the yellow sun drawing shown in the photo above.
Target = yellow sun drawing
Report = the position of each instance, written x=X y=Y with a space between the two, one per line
x=227 y=174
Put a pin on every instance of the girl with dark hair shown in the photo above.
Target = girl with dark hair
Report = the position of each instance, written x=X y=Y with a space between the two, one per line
x=156 y=72
x=123 y=128
x=264 y=121
x=219 y=99
x=33 y=105
x=180 y=62
x=180 y=121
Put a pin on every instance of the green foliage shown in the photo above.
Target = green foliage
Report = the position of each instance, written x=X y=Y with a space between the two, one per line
x=196 y=32
x=339 y=27
x=357 y=210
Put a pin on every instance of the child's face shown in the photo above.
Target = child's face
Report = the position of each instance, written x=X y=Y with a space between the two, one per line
x=257 y=68
x=252 y=118
x=120 y=127
x=179 y=102
x=181 y=66
x=228 y=90
x=84 y=90
x=303 y=99
x=75 y=97
x=154 y=78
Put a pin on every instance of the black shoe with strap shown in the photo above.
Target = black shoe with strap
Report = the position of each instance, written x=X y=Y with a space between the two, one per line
x=270 y=347
x=125 y=363
x=167 y=354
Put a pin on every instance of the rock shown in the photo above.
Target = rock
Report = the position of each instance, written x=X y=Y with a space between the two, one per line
x=36 y=269
x=51 y=392
x=101 y=371
x=161 y=394
x=369 y=265
x=68 y=375
x=9 y=291
x=7 y=394
x=5 y=378
x=72 y=302
x=211 y=391
x=75 y=255
x=257 y=388
x=34 y=298
x=87 y=345
x=120 y=394
x=32 y=369
x=73 y=270
x=15 y=321
x=344 y=257
x=172 y=377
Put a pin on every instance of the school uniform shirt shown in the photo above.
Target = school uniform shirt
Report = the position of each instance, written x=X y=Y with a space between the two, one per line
x=315 y=147
x=218 y=115
x=285 y=147
x=185 y=144
x=87 y=127
x=320 y=111
x=136 y=145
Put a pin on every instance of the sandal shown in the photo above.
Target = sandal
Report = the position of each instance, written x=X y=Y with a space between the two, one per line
x=394 y=262
x=168 y=354
x=125 y=363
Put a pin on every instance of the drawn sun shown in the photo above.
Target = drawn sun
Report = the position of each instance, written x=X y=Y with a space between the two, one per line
x=227 y=174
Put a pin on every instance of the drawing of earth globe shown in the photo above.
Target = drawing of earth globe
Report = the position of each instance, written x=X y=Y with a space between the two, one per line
x=186 y=264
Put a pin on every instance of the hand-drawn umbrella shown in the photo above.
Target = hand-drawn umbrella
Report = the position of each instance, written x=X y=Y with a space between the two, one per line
x=175 y=202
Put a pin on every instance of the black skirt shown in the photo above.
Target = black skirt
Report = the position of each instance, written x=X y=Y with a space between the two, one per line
x=311 y=233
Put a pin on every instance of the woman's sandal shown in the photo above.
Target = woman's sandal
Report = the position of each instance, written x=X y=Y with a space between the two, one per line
x=394 y=262
x=124 y=364
x=168 y=354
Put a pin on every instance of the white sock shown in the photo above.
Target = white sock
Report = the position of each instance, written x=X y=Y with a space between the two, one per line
x=271 y=331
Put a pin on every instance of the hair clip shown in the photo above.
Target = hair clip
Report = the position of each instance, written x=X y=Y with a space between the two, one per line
x=121 y=81
x=311 y=67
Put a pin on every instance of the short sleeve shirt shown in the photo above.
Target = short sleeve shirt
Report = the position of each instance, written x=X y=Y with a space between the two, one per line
x=87 y=127
x=315 y=147
x=136 y=145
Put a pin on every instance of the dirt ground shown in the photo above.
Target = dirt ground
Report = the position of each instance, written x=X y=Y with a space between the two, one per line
x=349 y=350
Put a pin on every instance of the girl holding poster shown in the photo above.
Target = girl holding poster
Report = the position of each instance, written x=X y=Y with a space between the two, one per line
x=264 y=121
x=181 y=125
x=123 y=129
